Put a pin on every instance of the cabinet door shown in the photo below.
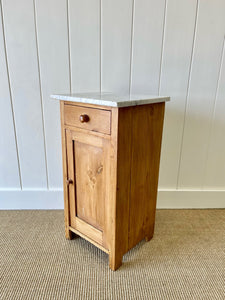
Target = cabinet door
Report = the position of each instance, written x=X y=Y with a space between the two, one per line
x=88 y=167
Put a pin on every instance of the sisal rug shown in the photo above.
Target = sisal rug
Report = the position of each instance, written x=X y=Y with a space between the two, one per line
x=184 y=260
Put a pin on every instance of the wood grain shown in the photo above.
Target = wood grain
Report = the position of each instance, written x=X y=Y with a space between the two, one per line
x=81 y=132
x=147 y=125
x=65 y=176
x=89 y=240
x=88 y=105
x=88 y=230
x=99 y=120
x=112 y=183
x=88 y=167
x=90 y=183
x=123 y=189
x=115 y=260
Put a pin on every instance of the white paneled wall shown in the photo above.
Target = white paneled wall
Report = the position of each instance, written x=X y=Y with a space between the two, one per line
x=166 y=47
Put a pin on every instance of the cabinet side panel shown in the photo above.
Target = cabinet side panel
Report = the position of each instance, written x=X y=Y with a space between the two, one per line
x=123 y=178
x=110 y=204
x=147 y=126
x=66 y=202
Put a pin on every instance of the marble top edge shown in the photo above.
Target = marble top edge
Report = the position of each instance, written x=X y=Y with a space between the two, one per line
x=110 y=99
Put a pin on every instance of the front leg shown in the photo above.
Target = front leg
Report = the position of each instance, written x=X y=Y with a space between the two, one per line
x=115 y=260
x=68 y=233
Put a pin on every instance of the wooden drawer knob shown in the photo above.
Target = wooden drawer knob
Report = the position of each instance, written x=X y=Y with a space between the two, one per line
x=84 y=118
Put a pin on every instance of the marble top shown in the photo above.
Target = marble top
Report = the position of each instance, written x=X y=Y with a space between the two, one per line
x=110 y=99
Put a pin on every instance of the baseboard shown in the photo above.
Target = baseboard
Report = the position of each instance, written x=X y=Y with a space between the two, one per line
x=178 y=199
x=31 y=199
x=167 y=199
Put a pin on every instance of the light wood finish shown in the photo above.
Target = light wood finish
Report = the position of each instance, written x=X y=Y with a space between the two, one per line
x=88 y=239
x=96 y=119
x=115 y=260
x=91 y=133
x=146 y=146
x=88 y=230
x=88 y=105
x=110 y=184
x=89 y=183
x=120 y=183
x=138 y=140
x=68 y=233
x=88 y=167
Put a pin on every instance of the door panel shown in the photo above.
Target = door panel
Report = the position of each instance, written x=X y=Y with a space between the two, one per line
x=89 y=183
x=88 y=167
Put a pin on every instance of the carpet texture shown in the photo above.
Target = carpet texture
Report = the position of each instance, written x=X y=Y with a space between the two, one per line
x=184 y=260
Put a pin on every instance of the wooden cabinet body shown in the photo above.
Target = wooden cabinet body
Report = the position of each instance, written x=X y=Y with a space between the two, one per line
x=111 y=166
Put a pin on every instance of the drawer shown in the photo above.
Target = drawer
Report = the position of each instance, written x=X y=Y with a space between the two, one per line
x=88 y=118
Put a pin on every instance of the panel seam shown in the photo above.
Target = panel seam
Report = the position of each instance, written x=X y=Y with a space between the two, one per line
x=11 y=100
x=69 y=51
x=162 y=49
x=100 y=48
x=214 y=110
x=41 y=95
x=131 y=45
x=187 y=92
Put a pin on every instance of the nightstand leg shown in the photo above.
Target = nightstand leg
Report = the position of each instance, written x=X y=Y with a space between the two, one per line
x=149 y=236
x=115 y=261
x=69 y=234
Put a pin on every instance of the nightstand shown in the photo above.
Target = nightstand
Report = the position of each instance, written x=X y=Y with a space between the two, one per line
x=111 y=152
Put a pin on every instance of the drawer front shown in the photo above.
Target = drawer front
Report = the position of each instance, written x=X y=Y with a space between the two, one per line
x=88 y=118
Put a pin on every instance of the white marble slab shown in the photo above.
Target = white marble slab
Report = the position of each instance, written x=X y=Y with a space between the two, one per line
x=109 y=99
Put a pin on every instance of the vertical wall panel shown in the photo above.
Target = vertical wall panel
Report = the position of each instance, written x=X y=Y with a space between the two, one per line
x=179 y=33
x=52 y=37
x=147 y=45
x=116 y=45
x=9 y=172
x=215 y=168
x=201 y=97
x=84 y=27
x=58 y=46
x=23 y=72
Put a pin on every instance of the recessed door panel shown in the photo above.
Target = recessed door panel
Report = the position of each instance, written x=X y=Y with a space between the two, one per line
x=88 y=171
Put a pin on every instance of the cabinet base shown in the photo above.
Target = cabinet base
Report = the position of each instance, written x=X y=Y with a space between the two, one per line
x=115 y=260
x=148 y=238
x=78 y=233
x=69 y=234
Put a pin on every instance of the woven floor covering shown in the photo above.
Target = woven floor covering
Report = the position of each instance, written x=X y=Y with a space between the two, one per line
x=184 y=260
